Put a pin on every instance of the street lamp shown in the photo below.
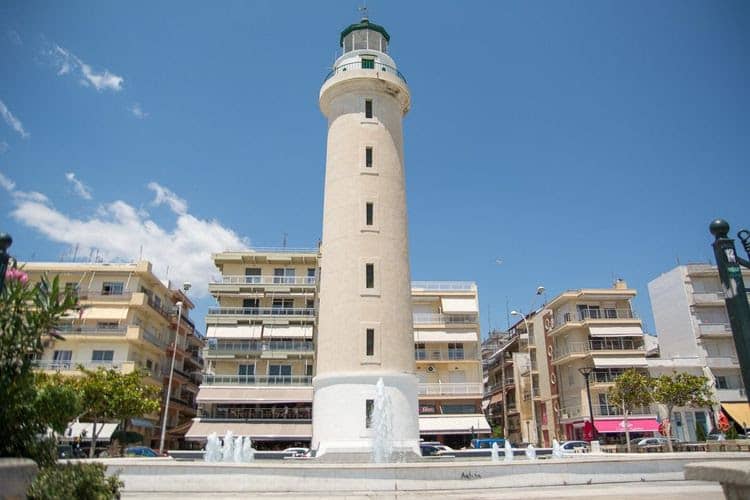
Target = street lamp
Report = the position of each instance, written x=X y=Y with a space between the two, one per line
x=531 y=373
x=5 y=242
x=586 y=371
x=185 y=286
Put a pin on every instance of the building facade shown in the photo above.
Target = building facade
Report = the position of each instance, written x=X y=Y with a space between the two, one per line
x=126 y=320
x=695 y=336
x=501 y=359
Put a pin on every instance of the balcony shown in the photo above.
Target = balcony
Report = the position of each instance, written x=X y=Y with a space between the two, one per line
x=576 y=411
x=714 y=330
x=445 y=355
x=72 y=366
x=464 y=389
x=274 y=413
x=262 y=281
x=443 y=286
x=604 y=346
x=94 y=331
x=708 y=298
x=445 y=319
x=269 y=312
x=587 y=315
x=731 y=394
x=103 y=296
x=357 y=66
x=257 y=347
x=300 y=380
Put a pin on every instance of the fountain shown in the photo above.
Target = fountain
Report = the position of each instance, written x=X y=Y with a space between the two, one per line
x=557 y=450
x=508 y=456
x=382 y=439
x=238 y=449
x=213 y=448
x=248 y=453
x=494 y=454
x=227 y=451
x=531 y=452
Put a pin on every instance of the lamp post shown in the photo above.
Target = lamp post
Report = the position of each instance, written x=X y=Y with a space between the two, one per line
x=5 y=242
x=171 y=374
x=531 y=373
x=586 y=371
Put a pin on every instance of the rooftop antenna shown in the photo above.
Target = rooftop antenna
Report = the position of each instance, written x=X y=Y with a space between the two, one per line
x=283 y=244
x=363 y=10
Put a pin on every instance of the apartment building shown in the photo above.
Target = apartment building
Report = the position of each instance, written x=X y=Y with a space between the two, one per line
x=596 y=330
x=448 y=361
x=695 y=336
x=501 y=362
x=260 y=355
x=126 y=319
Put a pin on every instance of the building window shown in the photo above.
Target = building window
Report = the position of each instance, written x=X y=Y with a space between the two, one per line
x=721 y=382
x=456 y=350
x=107 y=325
x=369 y=407
x=246 y=373
x=419 y=351
x=252 y=275
x=310 y=275
x=369 y=208
x=279 y=374
x=72 y=287
x=310 y=303
x=456 y=409
x=283 y=275
x=62 y=359
x=280 y=306
x=368 y=108
x=368 y=63
x=250 y=304
x=102 y=355
x=368 y=156
x=309 y=370
x=112 y=288
x=369 y=275
x=370 y=341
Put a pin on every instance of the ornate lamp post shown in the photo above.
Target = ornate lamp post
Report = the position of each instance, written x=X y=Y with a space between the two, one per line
x=735 y=294
x=586 y=371
x=5 y=242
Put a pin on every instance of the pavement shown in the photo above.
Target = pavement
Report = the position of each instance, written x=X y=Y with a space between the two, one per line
x=663 y=490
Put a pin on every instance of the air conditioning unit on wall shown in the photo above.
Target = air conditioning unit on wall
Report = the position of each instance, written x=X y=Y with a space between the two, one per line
x=430 y=368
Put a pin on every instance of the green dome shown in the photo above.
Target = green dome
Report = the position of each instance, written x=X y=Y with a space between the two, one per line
x=364 y=24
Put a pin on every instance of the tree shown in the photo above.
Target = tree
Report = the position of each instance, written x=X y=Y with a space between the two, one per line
x=632 y=389
x=681 y=389
x=30 y=404
x=110 y=395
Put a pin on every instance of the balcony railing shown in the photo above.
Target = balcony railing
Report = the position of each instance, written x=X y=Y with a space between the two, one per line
x=91 y=330
x=446 y=286
x=445 y=355
x=63 y=366
x=474 y=389
x=303 y=380
x=714 y=328
x=276 y=413
x=444 y=319
x=86 y=295
x=260 y=346
x=265 y=280
x=262 y=311
x=379 y=66
x=614 y=344
x=578 y=410
x=596 y=314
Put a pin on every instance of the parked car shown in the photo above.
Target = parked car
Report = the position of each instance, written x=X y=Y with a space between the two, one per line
x=429 y=450
x=140 y=451
x=572 y=446
x=720 y=436
x=487 y=442
x=655 y=441
x=437 y=444
x=298 y=452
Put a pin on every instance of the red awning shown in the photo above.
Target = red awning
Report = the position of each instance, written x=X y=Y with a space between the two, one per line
x=634 y=425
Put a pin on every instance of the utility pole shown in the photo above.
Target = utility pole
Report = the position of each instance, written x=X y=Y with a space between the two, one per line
x=735 y=294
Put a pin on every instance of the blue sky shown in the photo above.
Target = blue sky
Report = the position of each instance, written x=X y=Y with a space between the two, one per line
x=576 y=141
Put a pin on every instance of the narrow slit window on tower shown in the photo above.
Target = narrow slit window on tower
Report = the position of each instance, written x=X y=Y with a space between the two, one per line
x=369 y=406
x=368 y=108
x=370 y=341
x=368 y=63
x=369 y=275
x=369 y=213
x=368 y=156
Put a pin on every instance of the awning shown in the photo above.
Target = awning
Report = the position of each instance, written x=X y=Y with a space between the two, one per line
x=459 y=305
x=234 y=331
x=740 y=413
x=605 y=362
x=287 y=331
x=85 y=431
x=453 y=424
x=260 y=431
x=440 y=336
x=259 y=394
x=111 y=313
x=634 y=425
x=141 y=422
x=615 y=331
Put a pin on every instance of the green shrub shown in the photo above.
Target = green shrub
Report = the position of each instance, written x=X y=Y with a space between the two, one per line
x=731 y=433
x=75 y=482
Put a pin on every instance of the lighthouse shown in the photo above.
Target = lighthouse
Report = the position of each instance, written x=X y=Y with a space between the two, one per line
x=365 y=329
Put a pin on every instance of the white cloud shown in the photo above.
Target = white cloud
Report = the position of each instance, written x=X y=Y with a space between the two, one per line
x=164 y=195
x=118 y=231
x=6 y=183
x=79 y=187
x=67 y=62
x=12 y=121
x=137 y=111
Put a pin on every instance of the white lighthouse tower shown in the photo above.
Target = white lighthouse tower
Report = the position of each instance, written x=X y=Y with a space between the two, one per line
x=365 y=329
